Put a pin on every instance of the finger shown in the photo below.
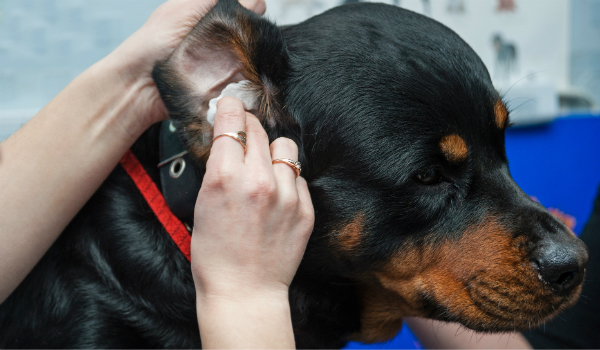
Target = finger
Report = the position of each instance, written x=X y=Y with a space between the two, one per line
x=285 y=175
x=258 y=153
x=230 y=118
x=256 y=6
x=284 y=148
x=305 y=201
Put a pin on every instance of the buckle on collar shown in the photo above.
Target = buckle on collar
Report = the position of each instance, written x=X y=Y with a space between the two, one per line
x=177 y=164
x=181 y=180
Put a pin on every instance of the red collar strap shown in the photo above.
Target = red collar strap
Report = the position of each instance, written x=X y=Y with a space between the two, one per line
x=157 y=202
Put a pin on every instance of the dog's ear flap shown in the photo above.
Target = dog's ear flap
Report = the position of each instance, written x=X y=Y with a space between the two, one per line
x=230 y=44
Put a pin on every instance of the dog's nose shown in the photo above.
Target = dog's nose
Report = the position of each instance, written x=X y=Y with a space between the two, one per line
x=561 y=264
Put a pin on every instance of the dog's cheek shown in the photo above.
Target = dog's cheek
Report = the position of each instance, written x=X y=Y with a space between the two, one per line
x=381 y=315
x=391 y=294
x=346 y=240
x=483 y=259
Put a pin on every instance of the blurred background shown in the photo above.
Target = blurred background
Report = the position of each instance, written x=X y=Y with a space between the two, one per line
x=543 y=56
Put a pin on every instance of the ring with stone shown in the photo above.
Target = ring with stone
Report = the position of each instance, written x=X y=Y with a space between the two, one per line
x=292 y=163
x=239 y=136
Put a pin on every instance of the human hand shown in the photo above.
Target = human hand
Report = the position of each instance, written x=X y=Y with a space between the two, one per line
x=153 y=42
x=253 y=218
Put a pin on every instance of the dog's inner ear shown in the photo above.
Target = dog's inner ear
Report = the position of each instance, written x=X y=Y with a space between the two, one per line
x=230 y=52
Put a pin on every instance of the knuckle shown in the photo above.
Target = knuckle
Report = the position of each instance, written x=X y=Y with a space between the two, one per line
x=260 y=188
x=210 y=184
x=254 y=5
x=260 y=4
x=218 y=177
x=289 y=202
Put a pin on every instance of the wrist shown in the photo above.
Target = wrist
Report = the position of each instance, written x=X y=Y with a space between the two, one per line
x=260 y=321
x=242 y=296
x=137 y=102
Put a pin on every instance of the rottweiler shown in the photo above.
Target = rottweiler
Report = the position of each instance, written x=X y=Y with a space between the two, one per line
x=401 y=137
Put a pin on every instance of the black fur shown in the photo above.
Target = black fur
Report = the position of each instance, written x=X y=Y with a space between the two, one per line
x=368 y=91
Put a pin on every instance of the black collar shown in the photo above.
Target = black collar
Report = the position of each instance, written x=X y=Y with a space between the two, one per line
x=180 y=177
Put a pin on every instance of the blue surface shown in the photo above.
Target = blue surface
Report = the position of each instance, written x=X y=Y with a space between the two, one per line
x=404 y=340
x=559 y=164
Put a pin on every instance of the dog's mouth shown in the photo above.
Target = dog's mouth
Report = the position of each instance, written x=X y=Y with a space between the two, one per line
x=485 y=281
x=501 y=303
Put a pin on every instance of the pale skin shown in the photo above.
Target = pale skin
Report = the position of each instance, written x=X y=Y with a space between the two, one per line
x=52 y=165
x=253 y=232
x=441 y=335
x=256 y=218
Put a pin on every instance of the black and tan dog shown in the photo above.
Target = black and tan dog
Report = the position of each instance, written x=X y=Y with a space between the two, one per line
x=402 y=142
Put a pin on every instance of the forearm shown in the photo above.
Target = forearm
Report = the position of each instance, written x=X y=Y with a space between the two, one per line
x=441 y=335
x=257 y=322
x=52 y=165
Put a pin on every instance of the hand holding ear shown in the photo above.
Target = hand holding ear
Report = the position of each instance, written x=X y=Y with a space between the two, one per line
x=154 y=42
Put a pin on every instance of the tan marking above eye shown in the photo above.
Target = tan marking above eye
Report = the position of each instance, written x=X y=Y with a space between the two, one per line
x=454 y=148
x=501 y=114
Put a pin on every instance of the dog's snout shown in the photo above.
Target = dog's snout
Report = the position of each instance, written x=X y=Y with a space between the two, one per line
x=561 y=264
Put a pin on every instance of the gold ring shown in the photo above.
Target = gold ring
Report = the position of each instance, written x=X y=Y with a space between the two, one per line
x=295 y=165
x=239 y=136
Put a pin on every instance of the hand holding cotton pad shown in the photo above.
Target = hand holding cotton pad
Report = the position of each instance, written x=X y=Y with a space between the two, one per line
x=240 y=90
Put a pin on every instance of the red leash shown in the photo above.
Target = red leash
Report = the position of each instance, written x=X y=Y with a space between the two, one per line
x=157 y=202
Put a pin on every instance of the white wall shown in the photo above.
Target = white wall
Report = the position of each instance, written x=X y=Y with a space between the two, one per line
x=539 y=28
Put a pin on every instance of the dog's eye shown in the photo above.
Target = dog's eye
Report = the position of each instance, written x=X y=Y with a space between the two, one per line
x=430 y=177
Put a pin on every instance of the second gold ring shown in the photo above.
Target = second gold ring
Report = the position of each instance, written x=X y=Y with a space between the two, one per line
x=292 y=163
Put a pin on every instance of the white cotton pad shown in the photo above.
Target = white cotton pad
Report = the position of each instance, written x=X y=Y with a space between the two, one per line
x=239 y=90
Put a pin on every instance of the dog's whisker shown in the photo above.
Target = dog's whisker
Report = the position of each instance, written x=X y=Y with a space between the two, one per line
x=521 y=79
x=447 y=304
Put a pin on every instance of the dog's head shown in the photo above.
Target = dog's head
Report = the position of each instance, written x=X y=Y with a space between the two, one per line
x=402 y=142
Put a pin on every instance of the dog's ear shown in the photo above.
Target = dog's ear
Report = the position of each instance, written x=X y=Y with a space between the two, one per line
x=229 y=45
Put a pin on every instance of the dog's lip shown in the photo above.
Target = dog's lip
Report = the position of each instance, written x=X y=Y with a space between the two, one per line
x=501 y=323
x=441 y=314
x=526 y=313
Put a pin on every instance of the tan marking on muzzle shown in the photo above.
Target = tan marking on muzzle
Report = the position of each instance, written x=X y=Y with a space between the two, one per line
x=484 y=279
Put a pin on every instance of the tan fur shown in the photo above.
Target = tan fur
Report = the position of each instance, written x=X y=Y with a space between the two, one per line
x=454 y=148
x=483 y=279
x=349 y=237
x=501 y=114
